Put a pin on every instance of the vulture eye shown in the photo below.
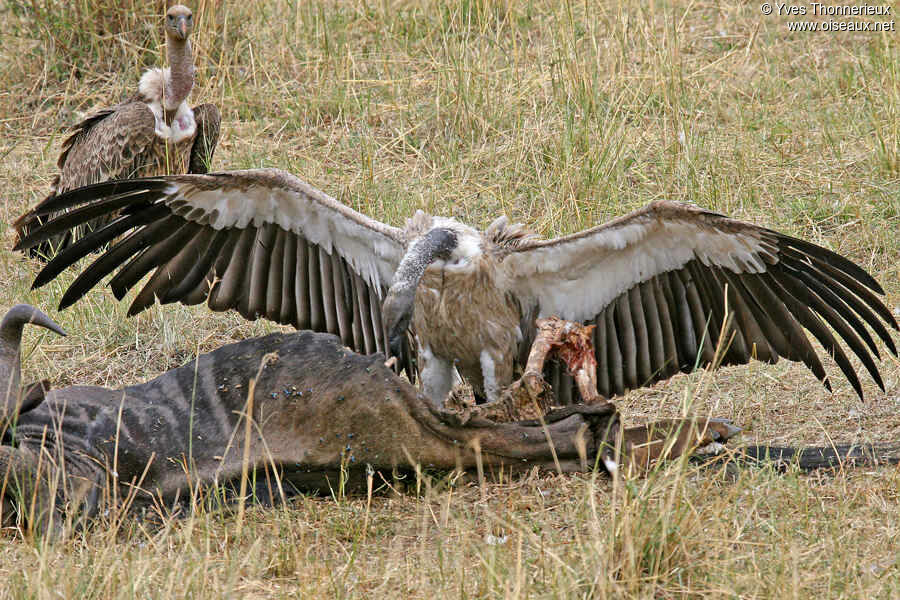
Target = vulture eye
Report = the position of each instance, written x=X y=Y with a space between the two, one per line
x=171 y=17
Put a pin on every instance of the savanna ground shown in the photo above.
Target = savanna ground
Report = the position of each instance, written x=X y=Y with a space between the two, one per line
x=560 y=115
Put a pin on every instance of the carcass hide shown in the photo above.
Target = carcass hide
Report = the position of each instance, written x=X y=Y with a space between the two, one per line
x=319 y=412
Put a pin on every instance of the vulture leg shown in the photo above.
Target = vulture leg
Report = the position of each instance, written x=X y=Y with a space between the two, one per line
x=437 y=376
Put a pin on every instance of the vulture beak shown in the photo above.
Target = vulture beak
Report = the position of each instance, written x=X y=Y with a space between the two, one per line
x=181 y=26
x=397 y=311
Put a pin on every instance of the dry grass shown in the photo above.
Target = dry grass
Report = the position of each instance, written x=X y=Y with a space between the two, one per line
x=560 y=115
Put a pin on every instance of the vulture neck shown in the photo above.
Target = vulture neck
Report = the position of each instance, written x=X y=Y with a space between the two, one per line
x=10 y=357
x=181 y=75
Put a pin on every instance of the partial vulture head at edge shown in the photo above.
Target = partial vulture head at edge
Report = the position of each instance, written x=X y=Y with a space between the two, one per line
x=179 y=22
x=10 y=361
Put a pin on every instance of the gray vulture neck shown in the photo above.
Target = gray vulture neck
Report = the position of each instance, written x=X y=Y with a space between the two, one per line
x=437 y=244
x=10 y=357
x=181 y=73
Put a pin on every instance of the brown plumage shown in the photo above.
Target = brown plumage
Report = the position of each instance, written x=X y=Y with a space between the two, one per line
x=663 y=284
x=152 y=133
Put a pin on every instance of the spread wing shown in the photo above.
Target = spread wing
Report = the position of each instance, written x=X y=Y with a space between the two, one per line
x=108 y=144
x=260 y=241
x=663 y=283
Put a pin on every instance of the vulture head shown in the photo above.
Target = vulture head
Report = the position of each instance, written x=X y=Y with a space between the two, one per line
x=10 y=357
x=179 y=22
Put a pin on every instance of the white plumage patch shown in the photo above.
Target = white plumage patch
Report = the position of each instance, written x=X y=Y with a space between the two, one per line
x=152 y=89
x=161 y=129
x=469 y=247
x=488 y=373
x=373 y=254
x=183 y=124
x=577 y=279
x=153 y=85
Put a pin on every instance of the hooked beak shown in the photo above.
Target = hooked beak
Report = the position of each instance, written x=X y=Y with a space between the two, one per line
x=181 y=25
x=398 y=310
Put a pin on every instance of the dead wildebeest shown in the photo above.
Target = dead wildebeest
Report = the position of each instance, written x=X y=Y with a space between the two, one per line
x=320 y=414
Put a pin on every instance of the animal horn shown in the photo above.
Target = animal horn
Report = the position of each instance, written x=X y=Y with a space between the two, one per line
x=437 y=244
x=10 y=357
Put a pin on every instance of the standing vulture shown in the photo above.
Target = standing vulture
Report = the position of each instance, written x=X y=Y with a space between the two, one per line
x=662 y=284
x=154 y=132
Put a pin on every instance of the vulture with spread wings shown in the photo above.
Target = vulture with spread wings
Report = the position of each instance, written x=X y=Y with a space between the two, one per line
x=154 y=132
x=663 y=285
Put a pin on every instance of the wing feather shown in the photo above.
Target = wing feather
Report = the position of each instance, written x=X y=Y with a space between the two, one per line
x=614 y=355
x=261 y=242
x=253 y=301
x=670 y=346
x=110 y=143
x=755 y=342
x=274 y=278
x=151 y=257
x=655 y=343
x=368 y=334
x=328 y=295
x=703 y=323
x=316 y=310
x=288 y=276
x=302 y=285
x=342 y=305
x=840 y=297
x=171 y=272
x=71 y=254
x=826 y=313
x=667 y=283
x=201 y=274
x=642 y=337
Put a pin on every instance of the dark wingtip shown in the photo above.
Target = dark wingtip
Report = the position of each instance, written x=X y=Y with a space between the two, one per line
x=118 y=291
x=104 y=189
x=841 y=262
x=68 y=300
x=137 y=308
x=19 y=246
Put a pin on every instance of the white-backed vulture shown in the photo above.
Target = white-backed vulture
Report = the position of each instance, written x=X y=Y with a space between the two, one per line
x=661 y=283
x=154 y=132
